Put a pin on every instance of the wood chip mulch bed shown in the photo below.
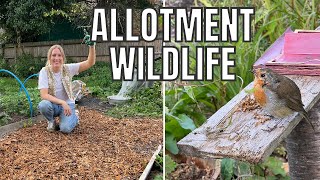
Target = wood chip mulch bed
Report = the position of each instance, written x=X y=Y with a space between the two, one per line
x=100 y=148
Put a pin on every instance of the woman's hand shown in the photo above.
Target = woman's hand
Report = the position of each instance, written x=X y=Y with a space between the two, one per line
x=90 y=61
x=87 y=39
x=66 y=109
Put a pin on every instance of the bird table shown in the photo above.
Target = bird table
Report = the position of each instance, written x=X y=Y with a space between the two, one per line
x=237 y=131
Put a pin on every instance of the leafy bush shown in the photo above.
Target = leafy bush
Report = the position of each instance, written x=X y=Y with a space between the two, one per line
x=4 y=118
x=99 y=80
x=170 y=165
x=4 y=64
x=270 y=169
x=27 y=65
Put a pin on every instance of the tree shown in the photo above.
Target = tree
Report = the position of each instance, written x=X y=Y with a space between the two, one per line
x=23 y=20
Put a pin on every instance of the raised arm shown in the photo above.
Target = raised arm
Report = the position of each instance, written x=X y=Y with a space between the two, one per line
x=90 y=61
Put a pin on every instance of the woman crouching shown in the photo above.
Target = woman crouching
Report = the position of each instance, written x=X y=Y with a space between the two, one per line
x=55 y=80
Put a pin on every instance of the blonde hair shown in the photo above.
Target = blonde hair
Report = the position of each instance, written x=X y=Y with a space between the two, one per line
x=56 y=46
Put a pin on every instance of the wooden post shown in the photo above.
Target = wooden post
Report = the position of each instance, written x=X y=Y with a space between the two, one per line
x=234 y=133
x=303 y=146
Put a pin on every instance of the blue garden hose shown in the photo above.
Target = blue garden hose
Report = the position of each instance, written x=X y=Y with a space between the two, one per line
x=22 y=86
x=25 y=81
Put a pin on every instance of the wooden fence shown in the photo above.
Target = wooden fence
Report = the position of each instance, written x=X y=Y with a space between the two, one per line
x=73 y=49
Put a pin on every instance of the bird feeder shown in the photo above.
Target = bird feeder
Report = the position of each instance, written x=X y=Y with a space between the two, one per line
x=295 y=53
x=236 y=133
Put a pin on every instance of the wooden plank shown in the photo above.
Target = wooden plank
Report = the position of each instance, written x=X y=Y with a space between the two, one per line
x=230 y=132
x=148 y=168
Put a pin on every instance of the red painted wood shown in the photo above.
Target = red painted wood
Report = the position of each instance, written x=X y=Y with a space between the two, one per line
x=273 y=51
x=301 y=43
x=293 y=53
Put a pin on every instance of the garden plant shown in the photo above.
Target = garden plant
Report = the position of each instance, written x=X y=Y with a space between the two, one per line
x=189 y=104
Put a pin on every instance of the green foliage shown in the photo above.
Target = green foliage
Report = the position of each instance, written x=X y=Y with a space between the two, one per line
x=170 y=141
x=4 y=118
x=26 y=20
x=159 y=161
x=4 y=64
x=270 y=169
x=27 y=65
x=227 y=168
x=146 y=102
x=158 y=177
x=99 y=80
x=199 y=100
x=232 y=169
x=280 y=151
x=27 y=123
x=23 y=19
x=170 y=165
x=76 y=12
x=12 y=102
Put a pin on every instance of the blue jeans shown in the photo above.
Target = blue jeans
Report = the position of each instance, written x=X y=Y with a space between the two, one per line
x=50 y=110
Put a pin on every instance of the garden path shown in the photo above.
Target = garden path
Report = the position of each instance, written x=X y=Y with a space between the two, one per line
x=100 y=147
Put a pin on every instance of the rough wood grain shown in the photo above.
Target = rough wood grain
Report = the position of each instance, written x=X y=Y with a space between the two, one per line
x=236 y=134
